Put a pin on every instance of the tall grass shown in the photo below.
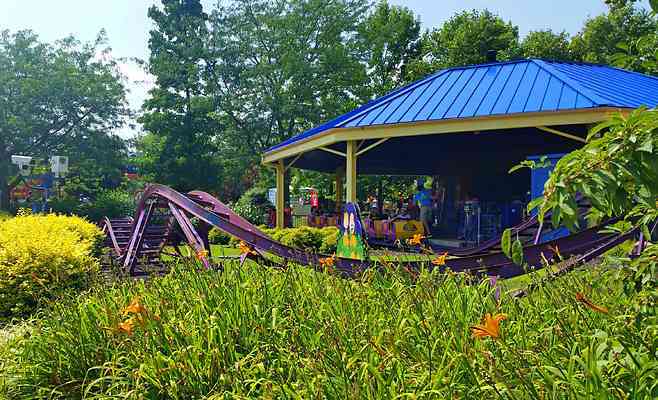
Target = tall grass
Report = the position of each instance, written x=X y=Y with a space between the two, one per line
x=252 y=332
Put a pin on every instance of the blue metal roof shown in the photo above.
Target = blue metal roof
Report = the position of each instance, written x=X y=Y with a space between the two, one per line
x=512 y=87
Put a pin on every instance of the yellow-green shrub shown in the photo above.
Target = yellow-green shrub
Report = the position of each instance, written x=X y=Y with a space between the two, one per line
x=329 y=239
x=41 y=256
x=322 y=240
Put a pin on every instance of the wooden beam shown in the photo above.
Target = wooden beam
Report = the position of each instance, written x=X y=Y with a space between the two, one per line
x=293 y=161
x=372 y=146
x=563 y=134
x=454 y=125
x=332 y=151
x=280 y=193
x=350 y=172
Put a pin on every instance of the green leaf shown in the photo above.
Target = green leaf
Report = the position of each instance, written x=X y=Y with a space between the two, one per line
x=647 y=145
x=517 y=252
x=598 y=128
x=506 y=242
x=535 y=203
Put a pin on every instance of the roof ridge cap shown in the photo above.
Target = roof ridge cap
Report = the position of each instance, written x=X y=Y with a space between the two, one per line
x=572 y=83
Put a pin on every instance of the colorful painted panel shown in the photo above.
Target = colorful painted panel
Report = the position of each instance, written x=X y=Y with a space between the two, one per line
x=351 y=238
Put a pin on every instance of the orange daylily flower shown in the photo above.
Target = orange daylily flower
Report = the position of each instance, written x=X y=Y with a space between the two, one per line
x=440 y=260
x=135 y=307
x=490 y=327
x=127 y=326
x=246 y=249
x=327 y=261
x=416 y=240
x=587 y=302
x=201 y=254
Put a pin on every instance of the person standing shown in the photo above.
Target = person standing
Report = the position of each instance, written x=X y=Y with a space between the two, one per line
x=423 y=199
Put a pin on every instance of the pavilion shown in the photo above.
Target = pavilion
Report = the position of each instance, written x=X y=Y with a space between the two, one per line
x=476 y=120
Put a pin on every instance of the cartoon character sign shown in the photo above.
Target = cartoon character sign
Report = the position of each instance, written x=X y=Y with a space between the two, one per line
x=351 y=240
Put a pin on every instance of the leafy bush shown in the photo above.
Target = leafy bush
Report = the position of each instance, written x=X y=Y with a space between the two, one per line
x=250 y=332
x=216 y=236
x=253 y=206
x=329 y=239
x=4 y=215
x=317 y=240
x=67 y=205
x=617 y=170
x=41 y=256
x=110 y=203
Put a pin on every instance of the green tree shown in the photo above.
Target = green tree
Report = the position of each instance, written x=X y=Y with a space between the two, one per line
x=390 y=38
x=619 y=32
x=280 y=67
x=549 y=45
x=465 y=39
x=641 y=53
x=179 y=145
x=61 y=98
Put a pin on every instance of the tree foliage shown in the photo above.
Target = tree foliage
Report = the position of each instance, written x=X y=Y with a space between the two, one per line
x=179 y=148
x=617 y=170
x=626 y=30
x=465 y=39
x=60 y=98
x=548 y=44
x=390 y=40
x=280 y=67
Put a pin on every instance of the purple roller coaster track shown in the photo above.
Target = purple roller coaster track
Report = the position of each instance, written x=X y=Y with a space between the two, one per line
x=165 y=219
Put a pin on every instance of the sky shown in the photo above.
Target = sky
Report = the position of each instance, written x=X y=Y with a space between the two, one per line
x=127 y=24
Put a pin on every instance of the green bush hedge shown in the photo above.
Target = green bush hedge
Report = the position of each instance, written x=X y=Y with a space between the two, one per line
x=253 y=206
x=216 y=236
x=318 y=240
x=41 y=256
x=109 y=203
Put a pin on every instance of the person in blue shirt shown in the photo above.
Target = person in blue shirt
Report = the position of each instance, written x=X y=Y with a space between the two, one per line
x=423 y=199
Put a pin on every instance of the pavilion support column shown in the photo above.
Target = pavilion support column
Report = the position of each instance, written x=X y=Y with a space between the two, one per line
x=350 y=171
x=340 y=173
x=280 y=194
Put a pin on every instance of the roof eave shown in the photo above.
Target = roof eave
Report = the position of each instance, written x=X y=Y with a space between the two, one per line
x=454 y=125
